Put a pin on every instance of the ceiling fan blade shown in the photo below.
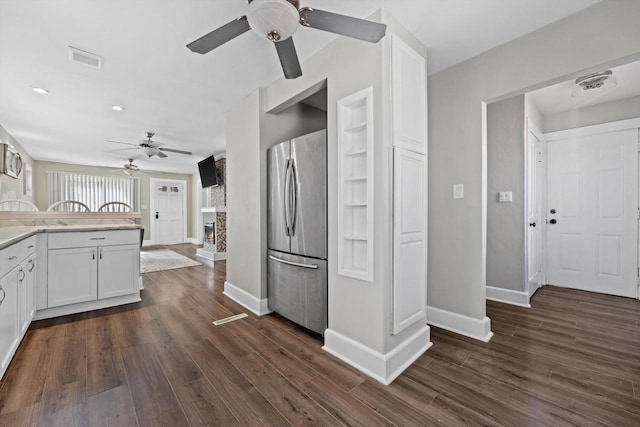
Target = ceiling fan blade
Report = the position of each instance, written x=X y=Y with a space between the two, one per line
x=155 y=144
x=218 y=37
x=188 y=153
x=125 y=143
x=161 y=154
x=126 y=149
x=342 y=24
x=288 y=58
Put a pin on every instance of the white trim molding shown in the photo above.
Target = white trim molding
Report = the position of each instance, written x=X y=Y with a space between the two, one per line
x=245 y=299
x=508 y=296
x=382 y=367
x=463 y=325
x=192 y=240
x=593 y=129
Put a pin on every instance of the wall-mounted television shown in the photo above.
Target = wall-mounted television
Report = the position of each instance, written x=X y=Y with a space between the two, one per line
x=208 y=172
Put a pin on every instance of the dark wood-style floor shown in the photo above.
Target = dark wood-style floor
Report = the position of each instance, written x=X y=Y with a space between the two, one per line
x=572 y=359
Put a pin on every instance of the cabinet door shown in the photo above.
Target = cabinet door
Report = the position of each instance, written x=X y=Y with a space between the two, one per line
x=409 y=97
x=30 y=270
x=73 y=276
x=23 y=299
x=8 y=318
x=118 y=270
x=409 y=239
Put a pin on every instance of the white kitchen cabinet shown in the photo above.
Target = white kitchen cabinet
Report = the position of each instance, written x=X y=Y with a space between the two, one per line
x=118 y=270
x=26 y=292
x=16 y=279
x=86 y=267
x=9 y=327
x=73 y=276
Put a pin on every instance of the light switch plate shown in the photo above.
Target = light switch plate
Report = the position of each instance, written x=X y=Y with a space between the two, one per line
x=458 y=191
x=505 y=196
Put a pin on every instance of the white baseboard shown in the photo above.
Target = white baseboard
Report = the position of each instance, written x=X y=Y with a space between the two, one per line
x=533 y=289
x=463 y=325
x=147 y=243
x=63 y=310
x=508 y=296
x=192 y=240
x=382 y=367
x=211 y=256
x=245 y=299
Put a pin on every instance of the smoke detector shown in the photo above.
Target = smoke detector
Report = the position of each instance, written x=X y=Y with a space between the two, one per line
x=594 y=82
x=85 y=58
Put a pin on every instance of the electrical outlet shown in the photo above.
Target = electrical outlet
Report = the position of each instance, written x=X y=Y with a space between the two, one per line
x=458 y=191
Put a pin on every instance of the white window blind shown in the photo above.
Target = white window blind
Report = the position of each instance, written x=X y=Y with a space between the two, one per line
x=93 y=190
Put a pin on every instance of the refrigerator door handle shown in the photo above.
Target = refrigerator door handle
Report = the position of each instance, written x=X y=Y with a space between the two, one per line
x=296 y=264
x=287 y=201
x=294 y=196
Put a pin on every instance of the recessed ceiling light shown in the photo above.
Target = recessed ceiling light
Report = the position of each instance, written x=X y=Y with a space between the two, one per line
x=40 y=90
x=117 y=108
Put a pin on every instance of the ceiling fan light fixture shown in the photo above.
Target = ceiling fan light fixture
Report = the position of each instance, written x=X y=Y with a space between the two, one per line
x=149 y=151
x=273 y=20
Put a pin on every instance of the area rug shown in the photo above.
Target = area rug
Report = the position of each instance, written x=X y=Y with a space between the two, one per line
x=163 y=259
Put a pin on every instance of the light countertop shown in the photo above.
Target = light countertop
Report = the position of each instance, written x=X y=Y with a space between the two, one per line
x=11 y=235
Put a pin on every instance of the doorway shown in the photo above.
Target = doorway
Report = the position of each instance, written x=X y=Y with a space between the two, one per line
x=168 y=200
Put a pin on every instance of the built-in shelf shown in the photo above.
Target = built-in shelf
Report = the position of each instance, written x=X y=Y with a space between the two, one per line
x=356 y=127
x=355 y=185
x=356 y=153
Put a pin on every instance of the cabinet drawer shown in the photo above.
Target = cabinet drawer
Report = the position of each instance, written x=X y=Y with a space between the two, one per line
x=14 y=254
x=83 y=239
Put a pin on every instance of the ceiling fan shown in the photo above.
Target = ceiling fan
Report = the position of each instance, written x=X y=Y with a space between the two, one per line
x=151 y=148
x=129 y=168
x=277 y=20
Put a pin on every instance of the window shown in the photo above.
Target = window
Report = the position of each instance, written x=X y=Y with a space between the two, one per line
x=93 y=190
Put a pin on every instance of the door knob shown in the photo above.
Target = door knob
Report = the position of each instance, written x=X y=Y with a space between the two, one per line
x=157 y=215
x=553 y=221
x=532 y=224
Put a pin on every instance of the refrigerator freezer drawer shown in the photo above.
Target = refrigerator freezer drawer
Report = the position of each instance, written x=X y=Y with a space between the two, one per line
x=297 y=289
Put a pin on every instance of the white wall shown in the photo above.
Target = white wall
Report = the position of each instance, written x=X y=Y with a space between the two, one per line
x=603 y=35
x=506 y=172
x=623 y=109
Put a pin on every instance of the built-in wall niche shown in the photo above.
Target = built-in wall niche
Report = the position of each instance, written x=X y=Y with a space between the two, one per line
x=355 y=185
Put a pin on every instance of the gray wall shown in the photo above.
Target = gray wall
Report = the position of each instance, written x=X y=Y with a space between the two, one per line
x=603 y=35
x=628 y=108
x=14 y=188
x=506 y=172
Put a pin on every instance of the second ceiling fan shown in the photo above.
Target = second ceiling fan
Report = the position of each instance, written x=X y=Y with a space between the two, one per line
x=150 y=147
x=277 y=20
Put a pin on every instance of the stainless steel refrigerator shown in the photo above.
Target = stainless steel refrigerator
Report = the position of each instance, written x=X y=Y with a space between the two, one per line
x=297 y=230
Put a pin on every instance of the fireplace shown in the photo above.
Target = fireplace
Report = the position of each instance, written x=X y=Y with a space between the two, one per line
x=209 y=232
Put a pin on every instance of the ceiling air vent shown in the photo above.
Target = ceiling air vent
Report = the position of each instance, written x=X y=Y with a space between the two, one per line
x=85 y=58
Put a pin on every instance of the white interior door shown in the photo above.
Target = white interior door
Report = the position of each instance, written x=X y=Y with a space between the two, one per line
x=535 y=225
x=169 y=213
x=593 y=200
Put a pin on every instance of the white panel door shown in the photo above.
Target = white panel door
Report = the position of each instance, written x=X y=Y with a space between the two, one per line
x=535 y=175
x=169 y=216
x=593 y=190
x=409 y=239
x=408 y=93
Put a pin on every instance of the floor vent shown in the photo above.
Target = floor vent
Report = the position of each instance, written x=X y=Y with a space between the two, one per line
x=230 y=319
x=85 y=58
